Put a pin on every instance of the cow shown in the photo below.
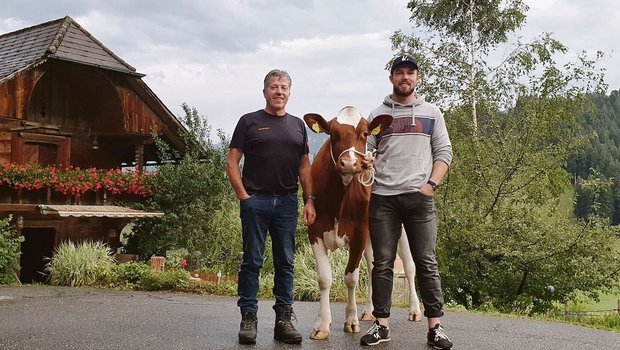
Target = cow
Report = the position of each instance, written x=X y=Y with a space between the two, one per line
x=342 y=191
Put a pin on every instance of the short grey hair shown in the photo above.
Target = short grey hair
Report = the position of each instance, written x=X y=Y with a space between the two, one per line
x=277 y=73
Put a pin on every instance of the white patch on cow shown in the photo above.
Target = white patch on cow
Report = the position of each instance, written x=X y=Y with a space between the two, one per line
x=331 y=239
x=351 y=153
x=320 y=254
x=346 y=178
x=349 y=116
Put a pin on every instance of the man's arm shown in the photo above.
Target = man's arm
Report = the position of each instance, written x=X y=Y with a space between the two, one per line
x=440 y=168
x=234 y=173
x=305 y=177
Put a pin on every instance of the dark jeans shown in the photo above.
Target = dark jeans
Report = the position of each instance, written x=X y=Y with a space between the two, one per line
x=277 y=215
x=417 y=214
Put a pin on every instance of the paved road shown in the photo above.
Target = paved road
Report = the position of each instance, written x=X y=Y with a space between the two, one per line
x=75 y=318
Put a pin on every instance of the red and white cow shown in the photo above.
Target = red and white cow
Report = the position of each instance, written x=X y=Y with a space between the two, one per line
x=342 y=195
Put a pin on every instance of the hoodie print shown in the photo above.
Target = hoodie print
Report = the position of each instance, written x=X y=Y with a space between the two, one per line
x=421 y=125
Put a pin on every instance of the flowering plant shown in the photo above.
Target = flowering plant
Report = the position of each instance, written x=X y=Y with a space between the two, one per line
x=73 y=180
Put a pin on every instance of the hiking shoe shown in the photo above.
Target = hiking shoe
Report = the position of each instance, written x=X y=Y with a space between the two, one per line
x=247 y=328
x=438 y=339
x=284 y=330
x=375 y=335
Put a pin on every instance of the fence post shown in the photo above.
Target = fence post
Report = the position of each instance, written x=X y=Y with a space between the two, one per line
x=618 y=307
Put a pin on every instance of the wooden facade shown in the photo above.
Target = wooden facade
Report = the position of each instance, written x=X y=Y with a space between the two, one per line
x=67 y=100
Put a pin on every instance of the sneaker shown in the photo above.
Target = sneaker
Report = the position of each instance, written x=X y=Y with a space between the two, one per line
x=438 y=339
x=375 y=335
x=247 y=328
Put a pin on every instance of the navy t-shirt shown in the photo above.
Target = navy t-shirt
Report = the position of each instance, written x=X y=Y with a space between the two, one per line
x=273 y=147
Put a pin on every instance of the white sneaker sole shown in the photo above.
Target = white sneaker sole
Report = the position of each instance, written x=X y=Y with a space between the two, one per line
x=379 y=342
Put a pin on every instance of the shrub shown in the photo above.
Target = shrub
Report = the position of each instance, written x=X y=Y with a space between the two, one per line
x=9 y=251
x=203 y=287
x=174 y=279
x=129 y=273
x=176 y=258
x=84 y=264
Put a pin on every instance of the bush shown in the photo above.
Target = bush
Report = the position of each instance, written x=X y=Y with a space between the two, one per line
x=203 y=287
x=174 y=279
x=9 y=251
x=84 y=264
x=195 y=194
x=129 y=273
x=176 y=258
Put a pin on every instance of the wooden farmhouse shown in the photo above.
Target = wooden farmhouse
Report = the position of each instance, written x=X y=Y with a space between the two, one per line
x=72 y=115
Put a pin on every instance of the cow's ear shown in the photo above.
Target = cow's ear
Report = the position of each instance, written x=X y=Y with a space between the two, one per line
x=380 y=123
x=316 y=123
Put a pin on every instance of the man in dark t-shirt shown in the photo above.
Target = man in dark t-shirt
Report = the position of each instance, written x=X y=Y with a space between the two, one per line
x=275 y=147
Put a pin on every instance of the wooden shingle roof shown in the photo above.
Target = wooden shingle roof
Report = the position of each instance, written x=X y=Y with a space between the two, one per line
x=62 y=39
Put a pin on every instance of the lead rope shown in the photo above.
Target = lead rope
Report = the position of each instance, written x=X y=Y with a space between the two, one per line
x=367 y=176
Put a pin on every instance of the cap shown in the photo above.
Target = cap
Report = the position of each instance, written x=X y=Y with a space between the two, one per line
x=402 y=60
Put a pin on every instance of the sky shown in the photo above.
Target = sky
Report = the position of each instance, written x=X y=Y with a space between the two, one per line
x=214 y=54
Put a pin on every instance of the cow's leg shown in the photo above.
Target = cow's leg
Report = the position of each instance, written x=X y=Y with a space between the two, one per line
x=367 y=313
x=405 y=255
x=324 y=276
x=351 y=323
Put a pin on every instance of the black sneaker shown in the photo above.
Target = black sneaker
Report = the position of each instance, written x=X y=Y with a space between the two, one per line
x=438 y=339
x=375 y=335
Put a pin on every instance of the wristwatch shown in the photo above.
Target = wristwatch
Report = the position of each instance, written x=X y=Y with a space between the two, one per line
x=433 y=184
x=310 y=197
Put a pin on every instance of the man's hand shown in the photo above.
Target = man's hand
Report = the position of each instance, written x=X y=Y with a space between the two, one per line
x=368 y=161
x=309 y=213
x=427 y=190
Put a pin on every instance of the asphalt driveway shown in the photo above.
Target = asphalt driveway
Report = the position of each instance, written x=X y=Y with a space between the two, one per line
x=79 y=318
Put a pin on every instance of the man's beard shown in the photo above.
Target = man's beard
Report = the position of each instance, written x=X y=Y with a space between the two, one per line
x=404 y=91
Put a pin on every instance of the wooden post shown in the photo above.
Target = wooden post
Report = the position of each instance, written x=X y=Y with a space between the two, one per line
x=139 y=157
x=158 y=263
x=618 y=306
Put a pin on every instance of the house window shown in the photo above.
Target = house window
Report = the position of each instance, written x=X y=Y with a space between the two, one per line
x=41 y=149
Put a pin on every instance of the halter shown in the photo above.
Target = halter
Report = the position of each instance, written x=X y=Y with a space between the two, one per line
x=365 y=177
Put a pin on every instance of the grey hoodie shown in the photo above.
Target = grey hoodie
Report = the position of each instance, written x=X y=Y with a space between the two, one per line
x=406 y=151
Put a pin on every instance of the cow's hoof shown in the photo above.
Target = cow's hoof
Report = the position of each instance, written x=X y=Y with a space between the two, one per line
x=366 y=317
x=351 y=328
x=413 y=316
x=319 y=335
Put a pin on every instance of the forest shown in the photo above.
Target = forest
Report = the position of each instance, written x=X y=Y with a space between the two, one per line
x=599 y=160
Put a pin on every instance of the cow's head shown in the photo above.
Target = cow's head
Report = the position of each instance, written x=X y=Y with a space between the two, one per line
x=348 y=132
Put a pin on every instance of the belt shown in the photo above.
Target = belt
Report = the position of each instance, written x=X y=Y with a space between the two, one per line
x=271 y=193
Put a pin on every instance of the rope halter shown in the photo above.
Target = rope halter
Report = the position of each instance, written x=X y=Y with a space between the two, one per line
x=366 y=177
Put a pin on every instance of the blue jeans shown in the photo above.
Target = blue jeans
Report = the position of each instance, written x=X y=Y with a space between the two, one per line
x=276 y=215
x=417 y=214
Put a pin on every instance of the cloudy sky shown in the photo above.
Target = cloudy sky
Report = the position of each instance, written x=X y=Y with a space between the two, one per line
x=214 y=54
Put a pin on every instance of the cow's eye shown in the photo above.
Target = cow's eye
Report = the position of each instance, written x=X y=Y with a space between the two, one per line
x=365 y=133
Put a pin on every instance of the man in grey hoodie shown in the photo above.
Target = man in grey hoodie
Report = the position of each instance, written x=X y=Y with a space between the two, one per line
x=412 y=157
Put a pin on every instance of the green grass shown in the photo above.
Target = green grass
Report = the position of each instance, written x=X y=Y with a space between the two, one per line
x=606 y=302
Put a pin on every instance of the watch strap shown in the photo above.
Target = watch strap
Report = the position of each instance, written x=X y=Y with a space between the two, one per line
x=433 y=184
